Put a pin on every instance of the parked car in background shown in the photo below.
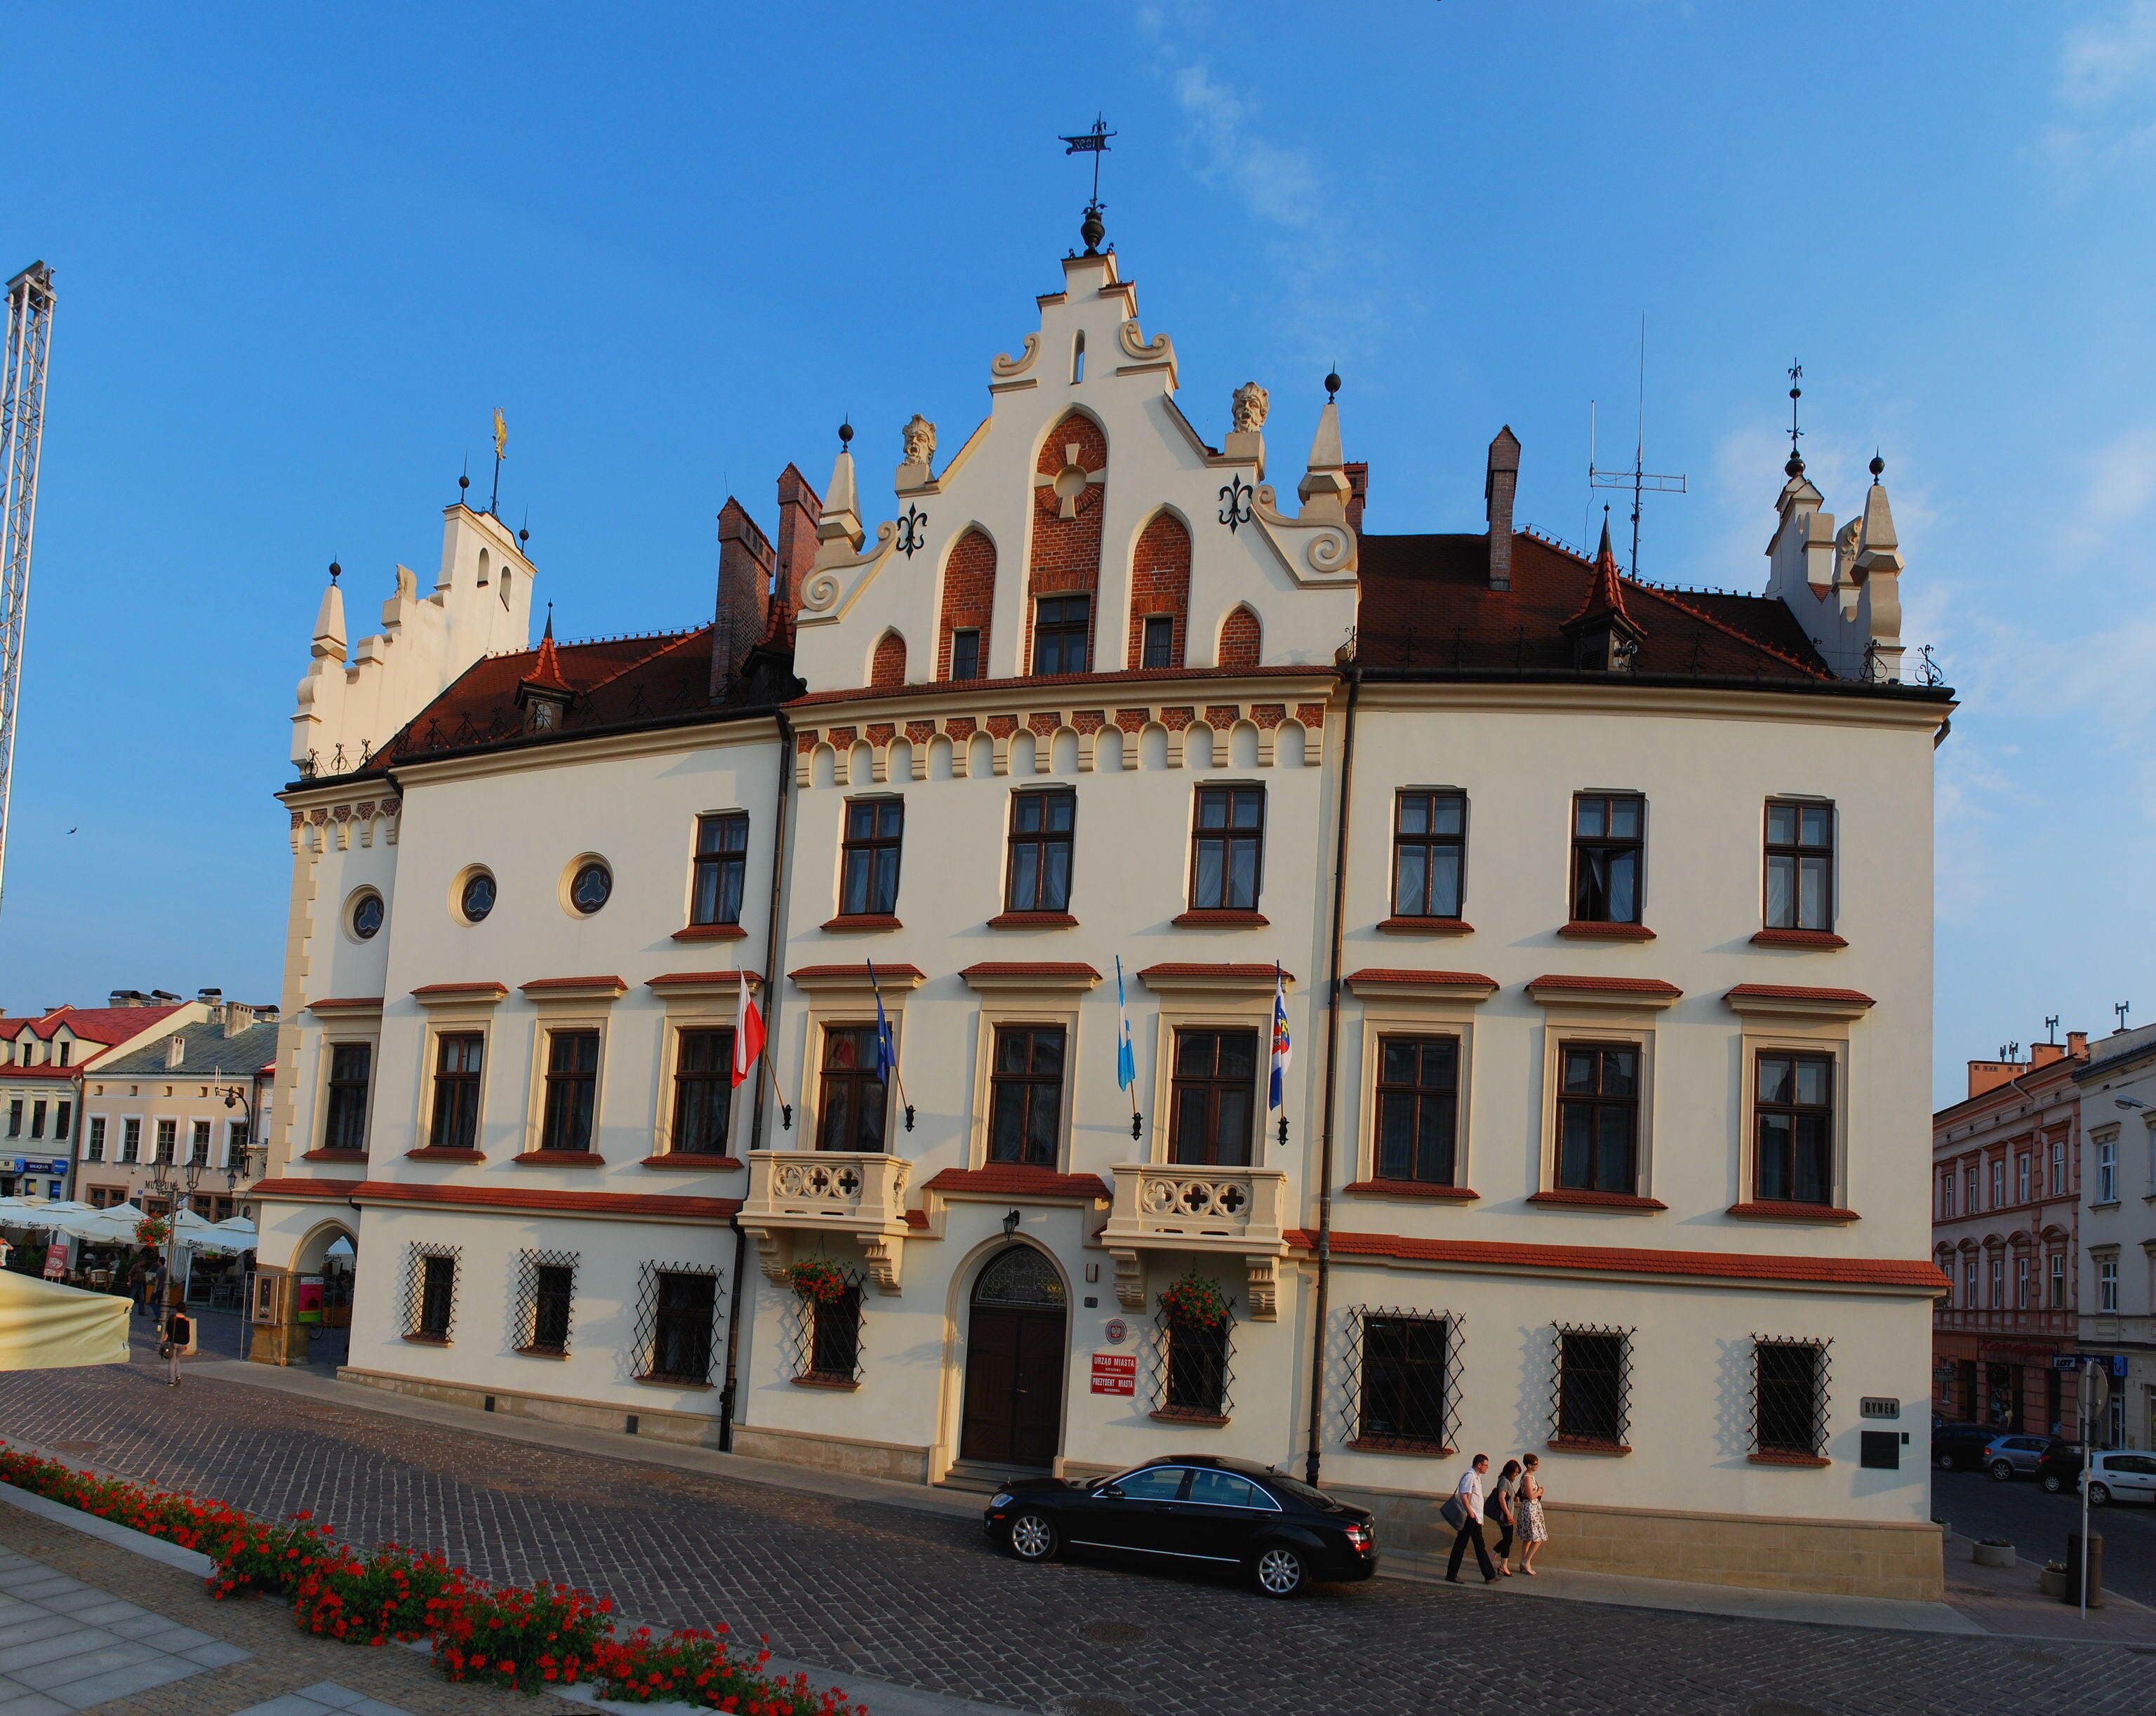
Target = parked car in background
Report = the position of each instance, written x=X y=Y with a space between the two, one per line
x=1959 y=1447
x=1198 y=1510
x=2121 y=1477
x=2060 y=1468
x=2012 y=1456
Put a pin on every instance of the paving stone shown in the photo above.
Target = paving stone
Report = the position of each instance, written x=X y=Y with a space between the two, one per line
x=214 y=1654
x=71 y=1641
x=330 y=1692
x=118 y=1682
x=21 y=1701
x=289 y=1704
x=56 y=1673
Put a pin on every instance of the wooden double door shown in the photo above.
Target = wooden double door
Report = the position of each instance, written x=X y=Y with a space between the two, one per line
x=1016 y=1337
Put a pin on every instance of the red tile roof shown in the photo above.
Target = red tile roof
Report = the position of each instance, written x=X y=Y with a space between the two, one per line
x=1218 y=973
x=1607 y=985
x=1400 y=974
x=1792 y=991
x=1016 y=1180
x=1749 y=1266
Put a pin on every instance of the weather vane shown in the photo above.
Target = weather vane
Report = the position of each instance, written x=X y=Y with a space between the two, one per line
x=1796 y=460
x=1093 y=142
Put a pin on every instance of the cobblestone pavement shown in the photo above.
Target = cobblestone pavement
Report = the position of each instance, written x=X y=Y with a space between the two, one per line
x=920 y=1599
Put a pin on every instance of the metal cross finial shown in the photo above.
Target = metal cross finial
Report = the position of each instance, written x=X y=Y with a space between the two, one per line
x=1093 y=142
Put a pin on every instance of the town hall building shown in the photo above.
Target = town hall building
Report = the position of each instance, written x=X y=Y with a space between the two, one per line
x=1599 y=912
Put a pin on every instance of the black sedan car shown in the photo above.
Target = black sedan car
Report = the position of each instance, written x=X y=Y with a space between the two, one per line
x=2060 y=1469
x=1959 y=1446
x=1196 y=1509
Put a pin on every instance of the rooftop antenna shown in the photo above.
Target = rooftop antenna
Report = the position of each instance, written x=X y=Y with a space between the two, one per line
x=2051 y=1030
x=1093 y=142
x=1639 y=478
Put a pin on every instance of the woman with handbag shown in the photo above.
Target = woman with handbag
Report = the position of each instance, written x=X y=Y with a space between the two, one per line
x=179 y=1333
x=1505 y=1511
x=1534 y=1531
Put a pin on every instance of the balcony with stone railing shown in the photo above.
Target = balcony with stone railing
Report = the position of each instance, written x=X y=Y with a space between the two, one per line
x=1238 y=1212
x=828 y=1192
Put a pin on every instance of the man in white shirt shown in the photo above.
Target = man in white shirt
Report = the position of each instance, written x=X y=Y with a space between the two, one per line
x=1469 y=1495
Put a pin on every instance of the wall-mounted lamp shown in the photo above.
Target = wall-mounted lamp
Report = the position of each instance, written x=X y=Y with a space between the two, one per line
x=2128 y=1102
x=1011 y=1219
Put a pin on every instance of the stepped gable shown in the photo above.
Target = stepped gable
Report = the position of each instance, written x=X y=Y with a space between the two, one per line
x=1427 y=606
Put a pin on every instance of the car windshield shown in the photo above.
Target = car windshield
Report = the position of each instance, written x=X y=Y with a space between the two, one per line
x=1302 y=1492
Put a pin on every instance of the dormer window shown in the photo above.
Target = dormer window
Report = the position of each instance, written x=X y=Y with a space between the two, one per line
x=64 y=1050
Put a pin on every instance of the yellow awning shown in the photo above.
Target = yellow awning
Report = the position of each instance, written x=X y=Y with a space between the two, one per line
x=44 y=1326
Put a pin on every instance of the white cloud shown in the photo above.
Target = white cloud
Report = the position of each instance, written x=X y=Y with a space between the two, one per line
x=1277 y=184
x=2107 y=56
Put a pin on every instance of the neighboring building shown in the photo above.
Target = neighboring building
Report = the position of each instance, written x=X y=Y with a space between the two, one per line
x=2117 y=1250
x=2006 y=1178
x=1598 y=1145
x=174 y=1120
x=42 y=1063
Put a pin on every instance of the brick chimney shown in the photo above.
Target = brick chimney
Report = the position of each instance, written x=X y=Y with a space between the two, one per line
x=2043 y=1054
x=2077 y=1044
x=1499 y=484
x=745 y=564
x=799 y=507
x=1359 y=491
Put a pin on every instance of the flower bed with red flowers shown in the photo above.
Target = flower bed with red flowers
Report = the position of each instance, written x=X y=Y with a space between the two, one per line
x=514 y=1637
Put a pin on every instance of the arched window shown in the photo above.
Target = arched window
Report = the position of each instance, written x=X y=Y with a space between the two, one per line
x=1020 y=1275
x=504 y=586
x=1240 y=639
x=969 y=596
x=1078 y=358
x=887 y=668
x=482 y=569
x=1160 y=594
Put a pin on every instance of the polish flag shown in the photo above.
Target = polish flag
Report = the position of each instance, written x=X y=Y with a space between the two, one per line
x=748 y=1034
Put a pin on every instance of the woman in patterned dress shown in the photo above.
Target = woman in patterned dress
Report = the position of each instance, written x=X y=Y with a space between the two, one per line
x=1533 y=1532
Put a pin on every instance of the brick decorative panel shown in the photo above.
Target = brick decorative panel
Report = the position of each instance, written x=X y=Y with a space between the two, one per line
x=921 y=731
x=1218 y=716
x=1310 y=715
x=804 y=742
x=1268 y=715
x=969 y=596
x=1175 y=719
x=887 y=666
x=1002 y=727
x=881 y=733
x=1066 y=552
x=843 y=736
x=1043 y=725
x=1131 y=721
x=961 y=728
x=1160 y=584
x=1239 y=638
x=1089 y=721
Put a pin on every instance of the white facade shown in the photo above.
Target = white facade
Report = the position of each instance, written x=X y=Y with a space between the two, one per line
x=1267 y=707
x=2117 y=1262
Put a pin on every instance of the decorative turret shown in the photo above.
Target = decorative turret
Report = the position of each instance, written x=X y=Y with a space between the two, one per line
x=1324 y=487
x=840 y=521
x=1604 y=636
x=329 y=621
x=1876 y=577
x=543 y=695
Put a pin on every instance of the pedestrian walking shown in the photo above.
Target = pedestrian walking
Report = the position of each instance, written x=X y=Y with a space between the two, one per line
x=1505 y=1511
x=1534 y=1531
x=179 y=1332
x=1463 y=1512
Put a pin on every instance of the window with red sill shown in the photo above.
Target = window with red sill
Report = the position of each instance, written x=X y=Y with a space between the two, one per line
x=1609 y=857
x=1228 y=847
x=1598 y=1117
x=1429 y=847
x=703 y=1092
x=1793 y=1115
x=721 y=867
x=1214 y=1097
x=1789 y=1399
x=573 y=1079
x=1037 y=874
x=352 y=1069
x=868 y=874
x=458 y=1056
x=1418 y=1099
x=1800 y=864
x=1026 y=1095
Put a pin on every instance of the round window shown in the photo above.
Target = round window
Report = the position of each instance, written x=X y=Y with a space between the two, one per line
x=477 y=899
x=592 y=886
x=367 y=914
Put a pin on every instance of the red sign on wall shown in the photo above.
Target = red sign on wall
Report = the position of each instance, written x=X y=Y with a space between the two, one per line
x=1115 y=1372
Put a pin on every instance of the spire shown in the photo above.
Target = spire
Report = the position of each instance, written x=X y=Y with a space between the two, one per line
x=841 y=515
x=542 y=694
x=1324 y=487
x=1604 y=633
x=546 y=672
x=329 y=620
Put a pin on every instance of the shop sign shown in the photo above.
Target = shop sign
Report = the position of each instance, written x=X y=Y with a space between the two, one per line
x=1115 y=1372
x=56 y=1260
x=1878 y=1406
x=2115 y=1363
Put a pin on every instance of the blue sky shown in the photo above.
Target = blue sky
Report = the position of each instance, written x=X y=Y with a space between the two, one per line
x=303 y=253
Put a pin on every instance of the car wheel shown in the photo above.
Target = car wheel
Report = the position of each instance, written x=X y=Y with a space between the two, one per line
x=2099 y=1495
x=1278 y=1571
x=2002 y=1471
x=1943 y=1461
x=1034 y=1537
x=2053 y=1483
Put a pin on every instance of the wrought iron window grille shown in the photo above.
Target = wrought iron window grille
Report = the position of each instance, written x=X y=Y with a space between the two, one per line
x=1193 y=1371
x=1789 y=1397
x=1590 y=1386
x=677 y=1322
x=430 y=1291
x=1399 y=1388
x=824 y=1340
x=543 y=1301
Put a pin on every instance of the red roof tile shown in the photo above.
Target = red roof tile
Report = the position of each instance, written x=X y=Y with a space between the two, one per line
x=1015 y=1180
x=1792 y=991
x=1606 y=985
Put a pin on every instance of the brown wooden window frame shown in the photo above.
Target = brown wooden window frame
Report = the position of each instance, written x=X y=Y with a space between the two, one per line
x=1155 y=629
x=1798 y=853
x=1430 y=842
x=1227 y=835
x=569 y=1120
x=1594 y=855
x=1416 y=1095
x=1781 y=1186
x=720 y=868
x=856 y=1080
x=965 y=652
x=1594 y=1103
x=698 y=1087
x=1038 y=849
x=862 y=851
x=345 y=1097
x=1212 y=1086
x=1052 y=624
x=454 y=1121
x=1027 y=1093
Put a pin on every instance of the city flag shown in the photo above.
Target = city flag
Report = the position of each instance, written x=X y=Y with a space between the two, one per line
x=748 y=1034
x=1282 y=1049
x=1127 y=1063
x=886 y=1052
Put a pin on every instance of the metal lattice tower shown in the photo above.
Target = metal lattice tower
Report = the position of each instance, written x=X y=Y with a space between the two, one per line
x=21 y=425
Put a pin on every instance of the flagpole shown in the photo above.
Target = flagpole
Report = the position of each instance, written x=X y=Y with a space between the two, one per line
x=887 y=1051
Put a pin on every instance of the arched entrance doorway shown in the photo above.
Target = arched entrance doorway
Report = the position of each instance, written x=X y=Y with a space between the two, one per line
x=1014 y=1361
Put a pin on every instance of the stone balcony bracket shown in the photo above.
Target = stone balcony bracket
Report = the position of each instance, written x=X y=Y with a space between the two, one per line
x=1236 y=1212
x=827 y=1192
